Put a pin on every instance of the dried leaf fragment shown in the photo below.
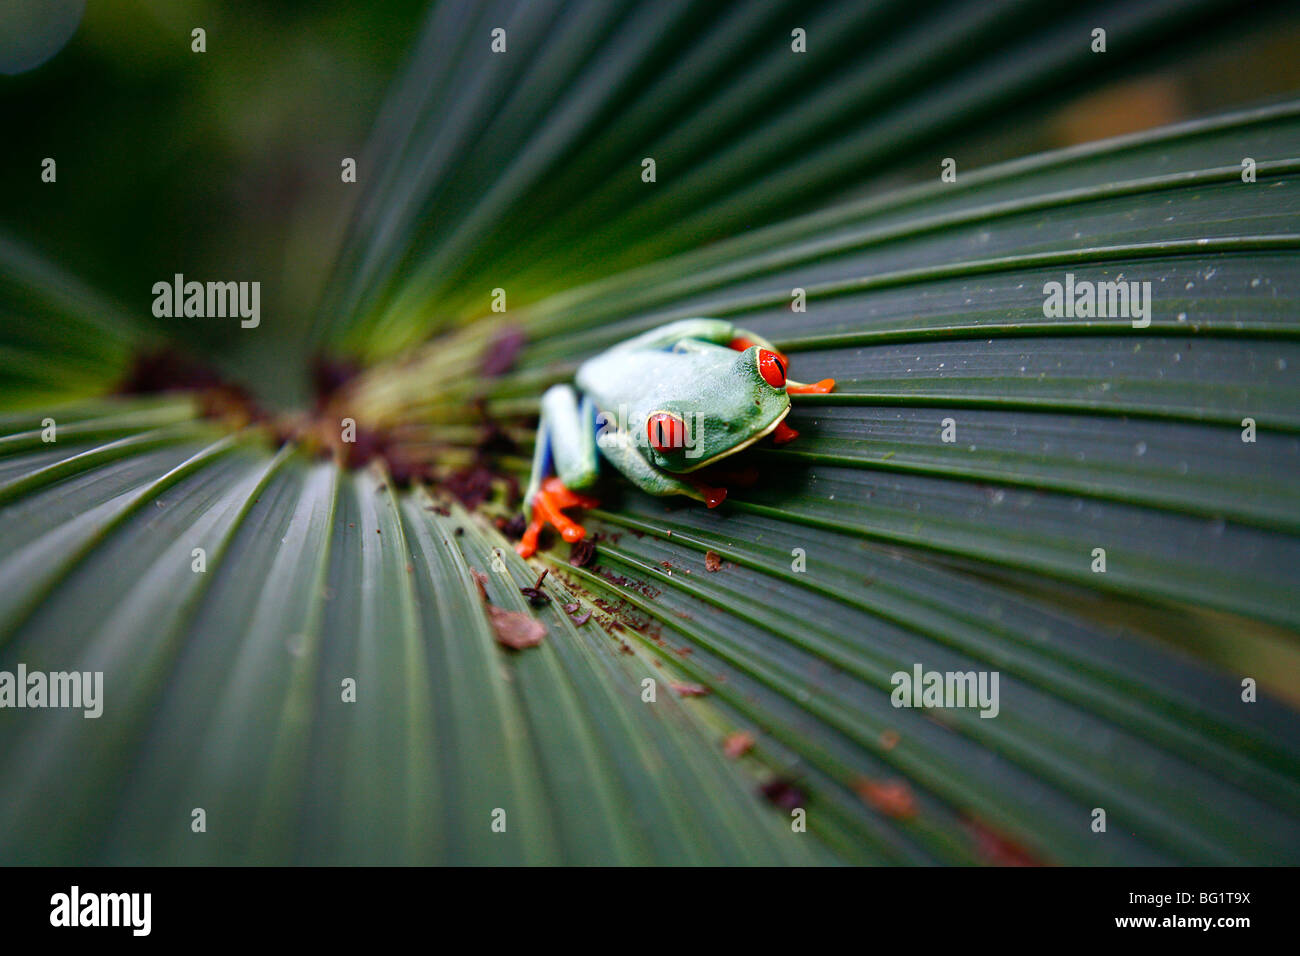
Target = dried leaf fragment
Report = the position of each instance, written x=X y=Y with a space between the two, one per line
x=893 y=798
x=582 y=553
x=999 y=849
x=536 y=596
x=737 y=744
x=783 y=793
x=513 y=629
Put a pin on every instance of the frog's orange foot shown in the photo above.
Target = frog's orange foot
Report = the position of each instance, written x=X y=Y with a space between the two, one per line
x=547 y=505
x=816 y=388
x=712 y=495
x=783 y=433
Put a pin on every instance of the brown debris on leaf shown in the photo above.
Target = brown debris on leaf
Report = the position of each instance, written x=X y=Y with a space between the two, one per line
x=172 y=370
x=481 y=580
x=582 y=553
x=368 y=446
x=169 y=370
x=330 y=375
x=1000 y=850
x=536 y=596
x=513 y=629
x=495 y=440
x=712 y=561
x=783 y=793
x=738 y=744
x=893 y=798
x=472 y=486
x=502 y=351
x=407 y=465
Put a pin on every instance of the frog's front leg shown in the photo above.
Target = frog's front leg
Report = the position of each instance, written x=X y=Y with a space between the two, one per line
x=619 y=449
x=564 y=461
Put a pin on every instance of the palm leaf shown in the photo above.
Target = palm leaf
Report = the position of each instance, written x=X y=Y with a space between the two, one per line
x=866 y=548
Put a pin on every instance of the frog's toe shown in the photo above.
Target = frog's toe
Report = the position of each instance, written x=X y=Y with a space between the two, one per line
x=713 y=496
x=527 y=545
x=816 y=388
x=548 y=507
x=783 y=433
x=548 y=503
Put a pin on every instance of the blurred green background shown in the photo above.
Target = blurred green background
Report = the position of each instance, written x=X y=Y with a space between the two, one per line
x=226 y=164
x=218 y=165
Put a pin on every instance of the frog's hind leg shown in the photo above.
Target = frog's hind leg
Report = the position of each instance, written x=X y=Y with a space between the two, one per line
x=742 y=339
x=551 y=498
x=564 y=462
x=714 y=331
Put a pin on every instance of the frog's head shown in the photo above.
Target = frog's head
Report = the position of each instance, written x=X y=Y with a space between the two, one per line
x=733 y=401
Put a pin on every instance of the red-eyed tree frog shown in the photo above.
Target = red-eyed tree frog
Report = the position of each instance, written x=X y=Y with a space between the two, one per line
x=657 y=407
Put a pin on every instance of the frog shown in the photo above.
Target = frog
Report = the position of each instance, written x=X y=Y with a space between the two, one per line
x=658 y=407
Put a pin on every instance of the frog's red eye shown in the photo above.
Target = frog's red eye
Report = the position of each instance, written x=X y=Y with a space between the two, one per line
x=665 y=431
x=772 y=368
